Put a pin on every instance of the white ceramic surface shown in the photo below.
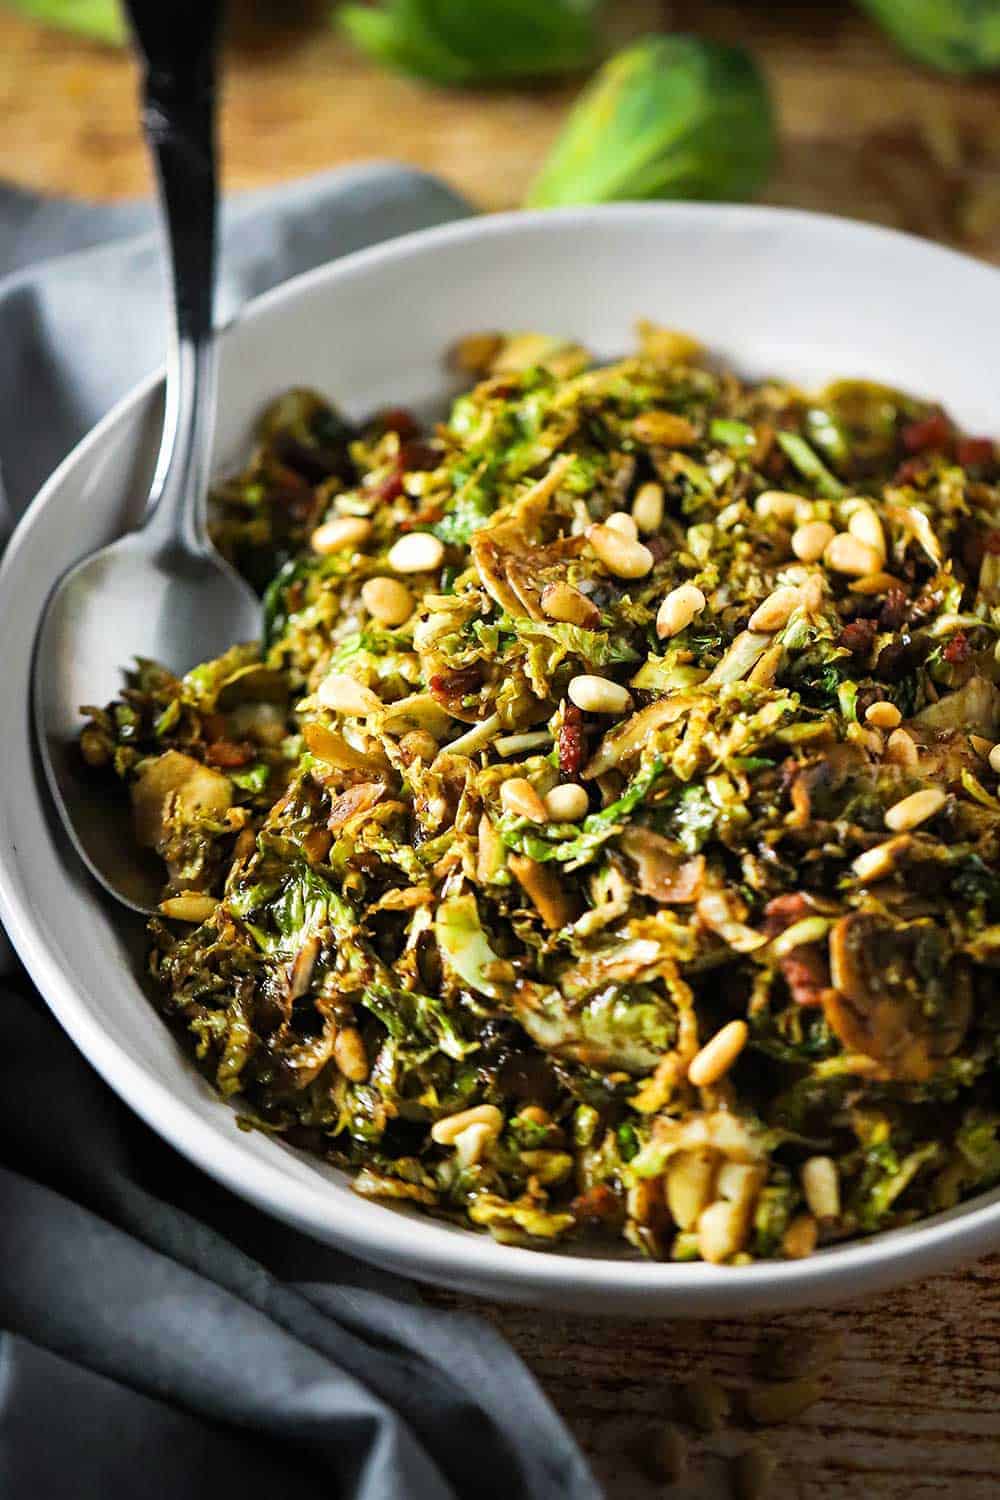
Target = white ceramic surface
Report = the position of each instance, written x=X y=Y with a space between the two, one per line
x=798 y=295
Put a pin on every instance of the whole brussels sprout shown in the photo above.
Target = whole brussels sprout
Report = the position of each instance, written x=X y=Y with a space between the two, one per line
x=960 y=36
x=670 y=117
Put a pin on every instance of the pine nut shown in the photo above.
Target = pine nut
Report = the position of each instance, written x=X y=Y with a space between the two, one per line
x=981 y=745
x=387 y=600
x=883 y=715
x=865 y=525
x=775 y=610
x=845 y=554
x=344 y=694
x=800 y=1237
x=568 y=803
x=445 y=1132
x=718 y=1055
x=647 y=508
x=349 y=1054
x=520 y=799
x=417 y=552
x=621 y=521
x=821 y=1185
x=915 y=809
x=621 y=555
x=189 y=907
x=471 y=1142
x=664 y=429
x=561 y=601
x=739 y=1183
x=875 y=583
x=721 y=1230
x=880 y=862
x=341 y=533
x=780 y=505
x=598 y=695
x=901 y=750
x=994 y=759
x=678 y=609
x=810 y=541
x=690 y=1177
x=782 y=1401
x=535 y=1115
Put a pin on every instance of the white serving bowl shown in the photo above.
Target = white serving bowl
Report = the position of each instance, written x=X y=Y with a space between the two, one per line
x=794 y=294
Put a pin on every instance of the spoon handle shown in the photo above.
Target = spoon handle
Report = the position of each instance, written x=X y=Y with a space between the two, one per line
x=178 y=46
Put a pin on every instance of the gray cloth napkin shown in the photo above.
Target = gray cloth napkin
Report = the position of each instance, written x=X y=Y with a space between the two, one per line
x=163 y=1339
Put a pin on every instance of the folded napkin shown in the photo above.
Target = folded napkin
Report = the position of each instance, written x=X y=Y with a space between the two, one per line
x=163 y=1339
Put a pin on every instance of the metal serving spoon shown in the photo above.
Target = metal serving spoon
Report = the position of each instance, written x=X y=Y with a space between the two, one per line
x=162 y=591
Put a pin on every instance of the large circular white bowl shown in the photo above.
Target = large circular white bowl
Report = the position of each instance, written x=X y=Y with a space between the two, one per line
x=793 y=294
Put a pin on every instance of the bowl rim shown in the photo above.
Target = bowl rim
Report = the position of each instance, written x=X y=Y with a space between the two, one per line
x=423 y=1248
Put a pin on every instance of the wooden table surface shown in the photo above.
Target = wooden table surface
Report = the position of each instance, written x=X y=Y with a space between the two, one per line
x=912 y=1405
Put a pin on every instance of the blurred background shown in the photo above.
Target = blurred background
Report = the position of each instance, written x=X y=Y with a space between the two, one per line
x=887 y=110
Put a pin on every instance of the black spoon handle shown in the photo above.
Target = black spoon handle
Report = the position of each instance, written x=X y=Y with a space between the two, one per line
x=177 y=40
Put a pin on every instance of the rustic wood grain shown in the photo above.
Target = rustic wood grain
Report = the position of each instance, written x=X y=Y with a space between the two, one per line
x=911 y=1409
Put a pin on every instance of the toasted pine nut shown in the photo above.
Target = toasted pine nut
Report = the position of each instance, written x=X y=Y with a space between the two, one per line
x=915 y=809
x=821 y=1185
x=471 y=1142
x=779 y=504
x=739 y=1182
x=678 y=609
x=664 y=429
x=387 y=600
x=647 y=508
x=810 y=541
x=598 y=695
x=621 y=555
x=349 y=1054
x=783 y=1400
x=416 y=552
x=845 y=554
x=189 y=907
x=535 y=1115
x=775 y=610
x=561 y=601
x=883 y=715
x=994 y=759
x=718 y=1054
x=866 y=526
x=568 y=803
x=520 y=798
x=901 y=750
x=880 y=862
x=339 y=534
x=981 y=745
x=445 y=1132
x=721 y=1231
x=344 y=694
x=621 y=521
x=690 y=1177
x=800 y=1237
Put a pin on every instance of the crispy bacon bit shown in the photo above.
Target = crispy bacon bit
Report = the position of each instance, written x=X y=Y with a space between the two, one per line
x=657 y=546
x=449 y=687
x=805 y=970
x=571 y=742
x=958 y=648
x=932 y=433
x=911 y=471
x=974 y=453
x=859 y=636
x=228 y=754
x=600 y=1204
x=892 y=615
x=358 y=798
x=391 y=487
x=416 y=453
x=397 y=419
